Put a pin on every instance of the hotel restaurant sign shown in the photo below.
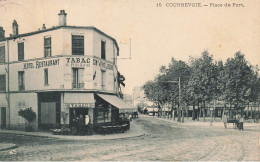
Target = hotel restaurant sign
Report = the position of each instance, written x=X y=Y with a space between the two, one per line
x=80 y=62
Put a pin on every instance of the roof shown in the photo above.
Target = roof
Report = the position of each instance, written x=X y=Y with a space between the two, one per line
x=61 y=27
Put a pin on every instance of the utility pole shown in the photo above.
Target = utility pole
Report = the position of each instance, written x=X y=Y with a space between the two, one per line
x=8 y=84
x=181 y=108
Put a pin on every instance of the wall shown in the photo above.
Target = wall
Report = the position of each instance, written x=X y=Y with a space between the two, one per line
x=21 y=101
x=34 y=45
x=34 y=75
x=110 y=52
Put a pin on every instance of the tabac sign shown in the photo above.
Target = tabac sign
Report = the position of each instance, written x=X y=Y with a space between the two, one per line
x=40 y=64
x=78 y=61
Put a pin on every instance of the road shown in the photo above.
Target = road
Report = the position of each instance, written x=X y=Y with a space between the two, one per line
x=163 y=141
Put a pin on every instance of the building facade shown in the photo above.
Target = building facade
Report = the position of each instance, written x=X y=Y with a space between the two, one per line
x=59 y=72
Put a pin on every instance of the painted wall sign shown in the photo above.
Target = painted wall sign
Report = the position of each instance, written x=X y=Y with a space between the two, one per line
x=78 y=62
x=103 y=65
x=41 y=64
x=81 y=105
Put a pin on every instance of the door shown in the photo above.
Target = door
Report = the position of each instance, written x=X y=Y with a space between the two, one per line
x=3 y=117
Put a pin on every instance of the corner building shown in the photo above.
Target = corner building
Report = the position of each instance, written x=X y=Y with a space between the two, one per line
x=59 y=71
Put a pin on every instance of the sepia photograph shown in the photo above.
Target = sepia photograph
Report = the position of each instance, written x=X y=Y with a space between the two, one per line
x=129 y=80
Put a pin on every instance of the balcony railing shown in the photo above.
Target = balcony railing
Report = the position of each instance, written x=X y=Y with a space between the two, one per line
x=78 y=85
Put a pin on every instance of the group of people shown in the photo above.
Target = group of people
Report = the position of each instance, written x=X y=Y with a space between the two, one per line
x=80 y=125
x=239 y=121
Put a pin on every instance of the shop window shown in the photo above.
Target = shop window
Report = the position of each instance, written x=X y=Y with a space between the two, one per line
x=2 y=54
x=103 y=50
x=103 y=79
x=21 y=51
x=48 y=113
x=219 y=112
x=47 y=46
x=46 y=77
x=104 y=115
x=78 y=75
x=2 y=83
x=77 y=45
x=21 y=80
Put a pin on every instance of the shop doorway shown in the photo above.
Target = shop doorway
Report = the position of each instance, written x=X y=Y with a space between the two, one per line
x=3 y=117
x=76 y=112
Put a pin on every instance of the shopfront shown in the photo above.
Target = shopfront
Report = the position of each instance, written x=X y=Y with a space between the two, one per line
x=77 y=104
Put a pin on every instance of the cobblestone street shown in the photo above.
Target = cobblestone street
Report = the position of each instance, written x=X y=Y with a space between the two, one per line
x=164 y=140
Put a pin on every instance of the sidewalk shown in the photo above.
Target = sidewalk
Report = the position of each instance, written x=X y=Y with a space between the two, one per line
x=135 y=131
x=216 y=123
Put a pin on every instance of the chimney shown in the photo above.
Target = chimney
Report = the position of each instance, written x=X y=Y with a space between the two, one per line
x=15 y=28
x=62 y=18
x=43 y=27
x=2 y=32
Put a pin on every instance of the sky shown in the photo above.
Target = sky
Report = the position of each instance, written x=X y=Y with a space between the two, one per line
x=157 y=33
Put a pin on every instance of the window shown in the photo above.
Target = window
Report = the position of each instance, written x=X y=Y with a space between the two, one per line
x=21 y=51
x=47 y=46
x=78 y=75
x=2 y=54
x=2 y=83
x=103 y=79
x=46 y=79
x=21 y=80
x=77 y=45
x=219 y=112
x=104 y=114
x=103 y=50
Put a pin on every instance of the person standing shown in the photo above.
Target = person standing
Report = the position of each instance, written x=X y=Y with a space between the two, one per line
x=74 y=124
x=241 y=123
x=87 y=120
x=225 y=121
x=237 y=120
x=81 y=124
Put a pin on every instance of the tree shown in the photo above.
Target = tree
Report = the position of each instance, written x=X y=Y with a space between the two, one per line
x=154 y=92
x=29 y=115
x=175 y=71
x=202 y=84
x=164 y=89
x=241 y=81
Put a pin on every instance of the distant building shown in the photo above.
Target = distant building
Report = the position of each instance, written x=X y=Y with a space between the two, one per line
x=59 y=70
x=139 y=97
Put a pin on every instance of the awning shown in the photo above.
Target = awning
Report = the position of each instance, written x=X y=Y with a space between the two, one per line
x=79 y=100
x=118 y=103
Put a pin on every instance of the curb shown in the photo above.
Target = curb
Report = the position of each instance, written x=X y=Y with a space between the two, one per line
x=73 y=138
x=9 y=148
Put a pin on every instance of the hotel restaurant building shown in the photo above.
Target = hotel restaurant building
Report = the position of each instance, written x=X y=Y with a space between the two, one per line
x=59 y=70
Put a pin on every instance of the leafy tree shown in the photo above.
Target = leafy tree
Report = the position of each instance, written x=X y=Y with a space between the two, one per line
x=27 y=114
x=153 y=92
x=176 y=70
x=241 y=81
x=202 y=84
x=164 y=89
